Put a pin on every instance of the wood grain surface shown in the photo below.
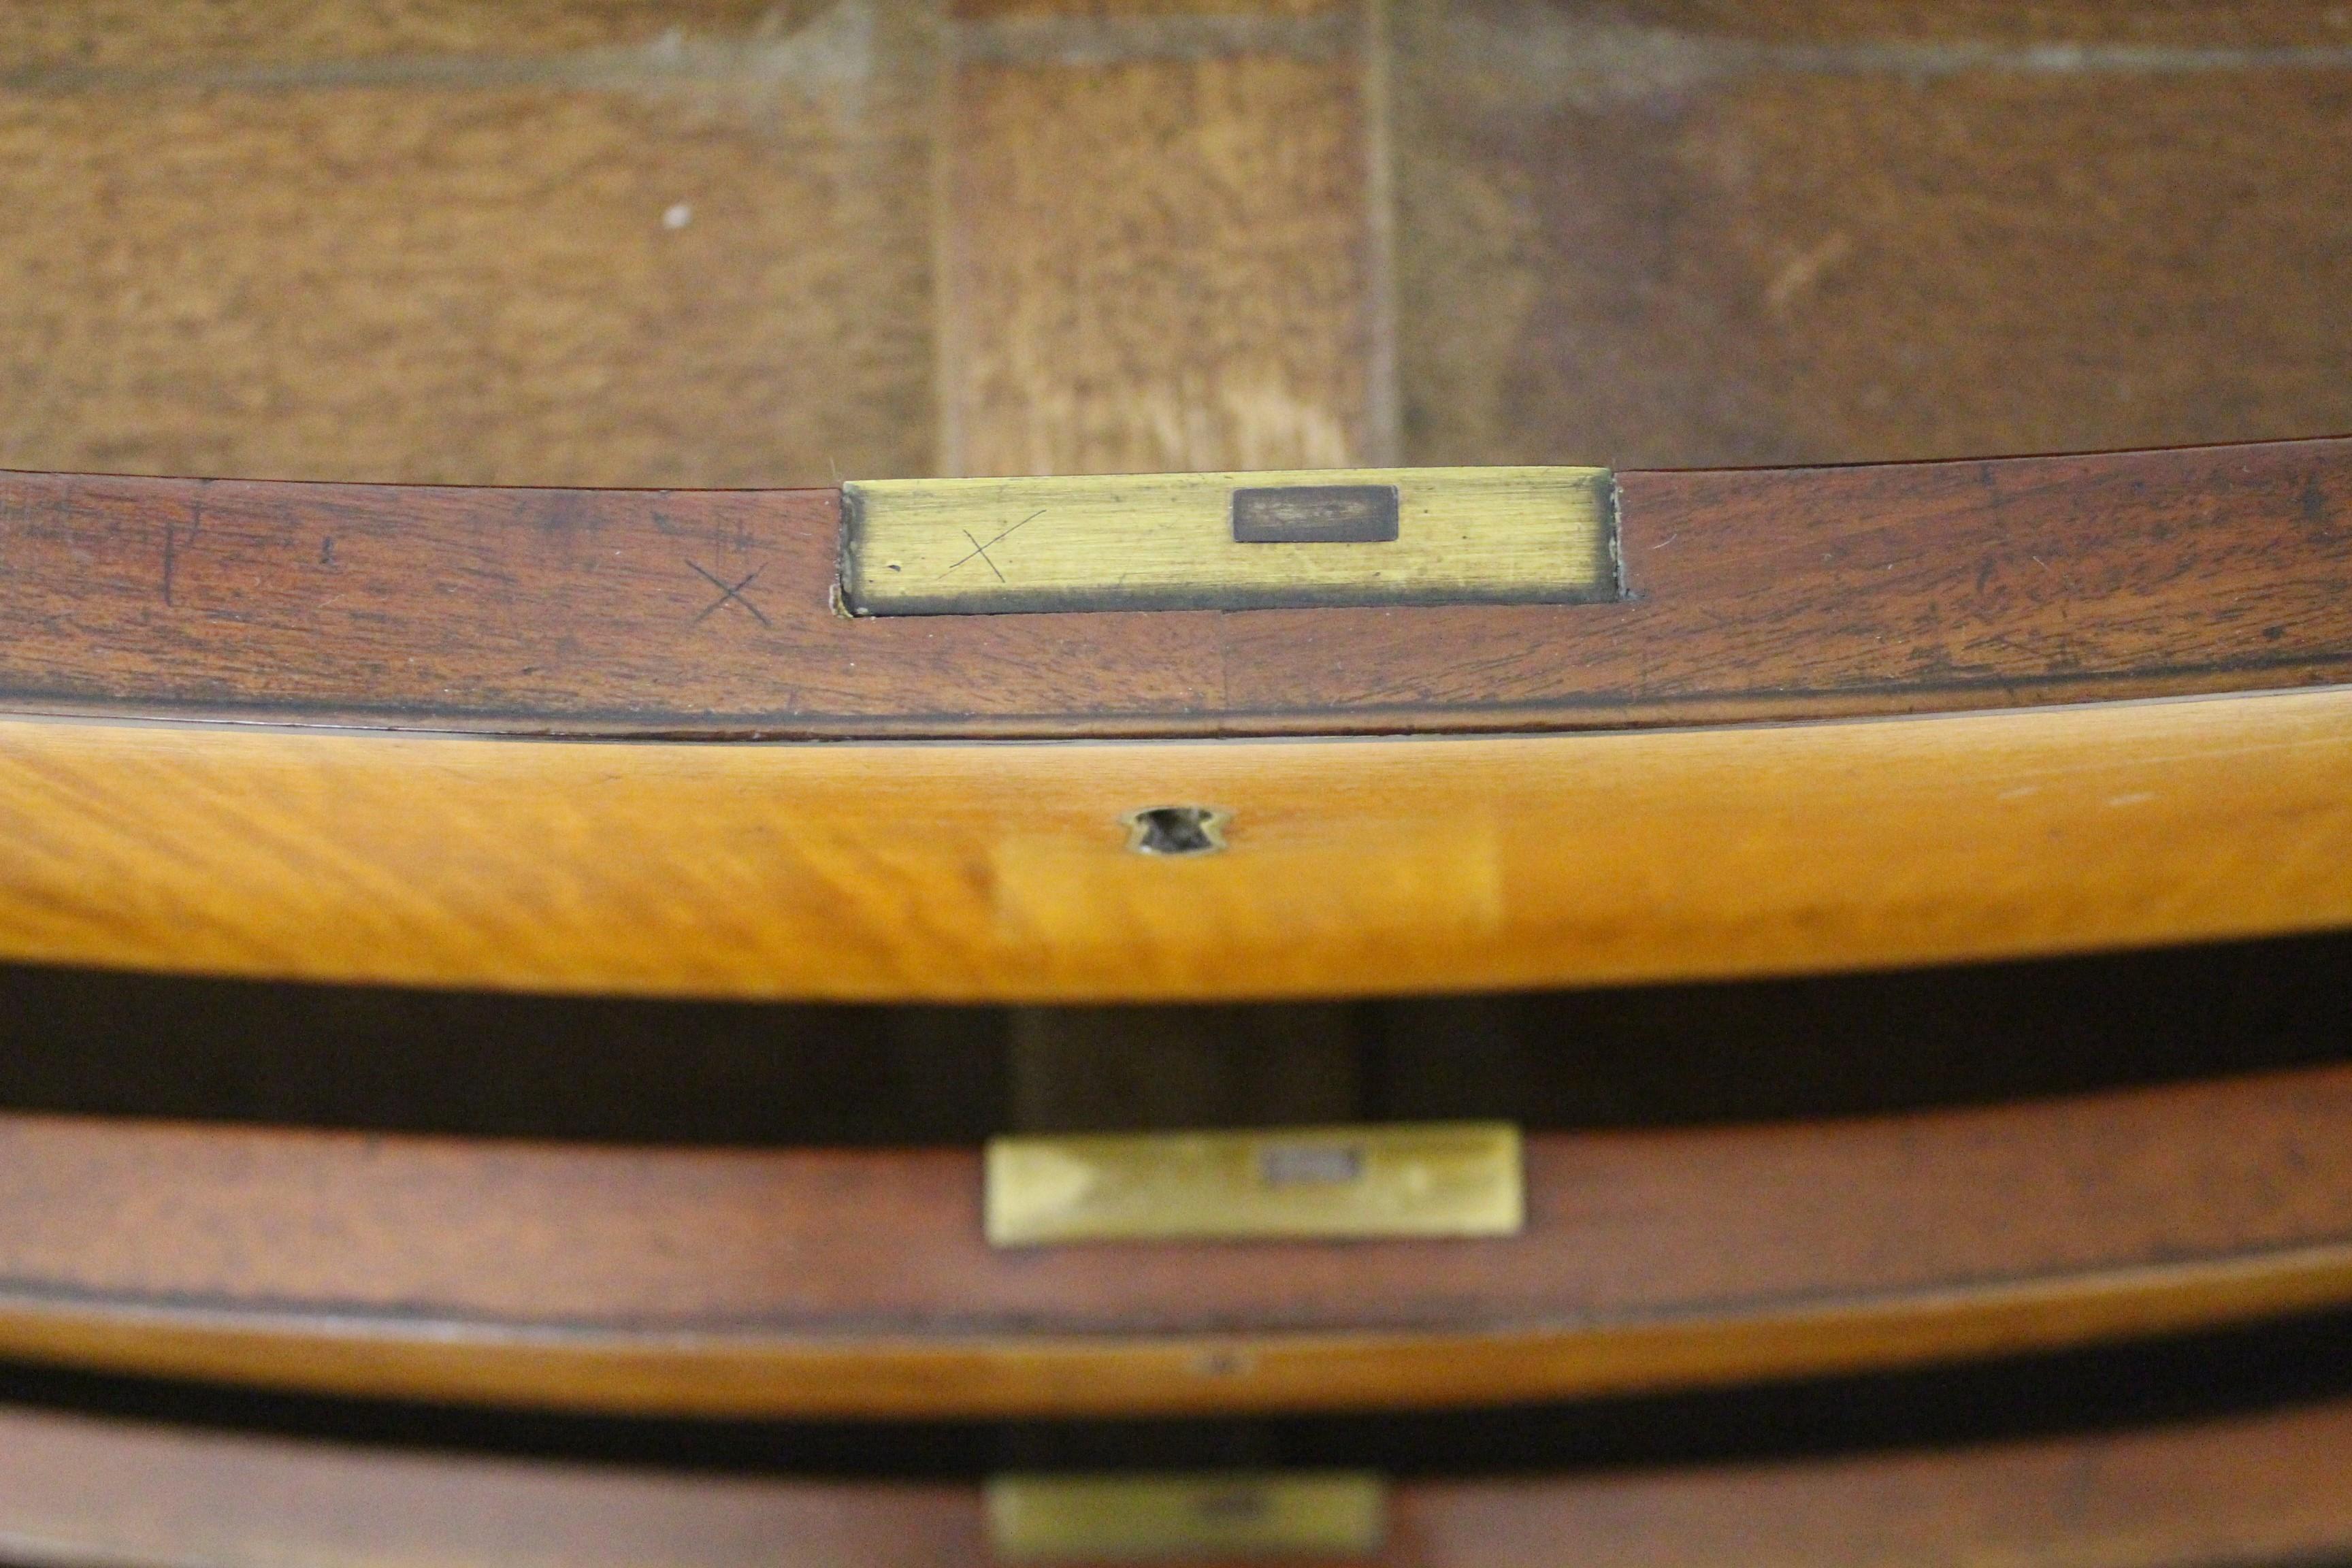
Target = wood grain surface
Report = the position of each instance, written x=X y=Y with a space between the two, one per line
x=60 y=45
x=453 y=242
x=2261 y=1489
x=990 y=872
x=79 y=1490
x=426 y=239
x=856 y=1282
x=699 y=245
x=1672 y=233
x=1751 y=594
x=2251 y=1489
x=1158 y=241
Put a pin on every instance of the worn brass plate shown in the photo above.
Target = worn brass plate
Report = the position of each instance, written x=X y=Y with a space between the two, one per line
x=1357 y=536
x=1446 y=1179
x=1163 y=1518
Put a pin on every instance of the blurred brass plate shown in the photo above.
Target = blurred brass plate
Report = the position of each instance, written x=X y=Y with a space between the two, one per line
x=1144 y=541
x=1445 y=1179
x=1221 y=1517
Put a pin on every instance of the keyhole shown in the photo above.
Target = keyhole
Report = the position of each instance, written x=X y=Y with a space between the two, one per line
x=1176 y=830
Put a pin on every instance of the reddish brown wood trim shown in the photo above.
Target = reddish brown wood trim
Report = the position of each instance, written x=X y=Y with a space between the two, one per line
x=2266 y=1488
x=856 y=1282
x=1776 y=594
x=1789 y=592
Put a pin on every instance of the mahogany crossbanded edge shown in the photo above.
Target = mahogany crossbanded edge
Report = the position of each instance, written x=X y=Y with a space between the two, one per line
x=843 y=1283
x=2224 y=1493
x=1771 y=593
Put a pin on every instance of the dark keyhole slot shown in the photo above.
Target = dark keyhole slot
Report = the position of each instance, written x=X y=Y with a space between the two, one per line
x=1311 y=1166
x=1176 y=830
x=1316 y=514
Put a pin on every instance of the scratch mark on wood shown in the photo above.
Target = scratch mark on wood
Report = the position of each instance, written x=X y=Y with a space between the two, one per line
x=727 y=591
x=981 y=550
x=172 y=539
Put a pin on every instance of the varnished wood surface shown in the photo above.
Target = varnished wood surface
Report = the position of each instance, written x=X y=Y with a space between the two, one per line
x=652 y=242
x=77 y=1489
x=1670 y=233
x=2257 y=1489
x=986 y=871
x=1755 y=594
x=2265 y=1490
x=428 y=240
x=679 y=245
x=1162 y=240
x=857 y=1283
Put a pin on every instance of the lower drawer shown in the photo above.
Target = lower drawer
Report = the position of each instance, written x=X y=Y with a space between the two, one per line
x=2259 y=1489
x=842 y=1282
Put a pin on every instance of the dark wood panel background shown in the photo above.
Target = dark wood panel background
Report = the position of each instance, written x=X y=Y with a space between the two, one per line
x=1661 y=233
x=601 y=244
x=699 y=242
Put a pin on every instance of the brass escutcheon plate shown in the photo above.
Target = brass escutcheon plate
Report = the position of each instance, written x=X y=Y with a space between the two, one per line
x=1214 y=1516
x=1162 y=542
x=1442 y=1179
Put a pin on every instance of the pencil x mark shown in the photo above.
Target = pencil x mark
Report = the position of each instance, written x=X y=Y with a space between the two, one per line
x=981 y=550
x=730 y=590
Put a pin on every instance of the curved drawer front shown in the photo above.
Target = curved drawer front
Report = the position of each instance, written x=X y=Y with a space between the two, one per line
x=1728 y=594
x=980 y=871
x=846 y=1283
x=2266 y=1488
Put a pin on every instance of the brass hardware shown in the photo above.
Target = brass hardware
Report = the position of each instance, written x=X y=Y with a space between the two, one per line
x=1444 y=1179
x=1364 y=536
x=1218 y=1516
